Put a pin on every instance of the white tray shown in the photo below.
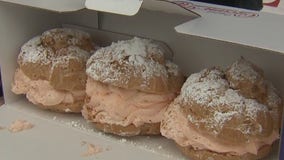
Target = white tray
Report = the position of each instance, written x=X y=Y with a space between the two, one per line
x=59 y=136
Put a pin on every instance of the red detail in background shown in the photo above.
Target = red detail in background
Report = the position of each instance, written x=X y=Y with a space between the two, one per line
x=273 y=4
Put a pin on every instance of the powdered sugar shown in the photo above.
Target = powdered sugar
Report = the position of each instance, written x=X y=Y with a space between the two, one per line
x=253 y=107
x=231 y=98
x=273 y=98
x=209 y=88
x=243 y=70
x=73 y=36
x=34 y=52
x=136 y=57
x=202 y=89
x=64 y=56
x=220 y=118
x=135 y=47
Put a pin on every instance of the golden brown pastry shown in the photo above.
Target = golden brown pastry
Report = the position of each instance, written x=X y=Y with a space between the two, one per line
x=52 y=68
x=129 y=86
x=232 y=115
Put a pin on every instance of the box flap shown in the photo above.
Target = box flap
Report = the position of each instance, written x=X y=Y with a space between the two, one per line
x=255 y=33
x=124 y=7
x=53 y=5
x=246 y=27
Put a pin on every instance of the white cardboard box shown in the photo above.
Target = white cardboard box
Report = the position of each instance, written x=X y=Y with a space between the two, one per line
x=198 y=41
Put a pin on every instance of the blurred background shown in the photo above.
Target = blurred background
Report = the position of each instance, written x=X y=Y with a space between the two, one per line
x=246 y=4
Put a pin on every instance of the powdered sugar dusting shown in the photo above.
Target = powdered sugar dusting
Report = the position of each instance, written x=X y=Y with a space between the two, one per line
x=243 y=70
x=220 y=118
x=230 y=98
x=136 y=57
x=211 y=91
x=34 y=52
x=273 y=98
x=253 y=107
x=64 y=56
x=74 y=35
x=201 y=89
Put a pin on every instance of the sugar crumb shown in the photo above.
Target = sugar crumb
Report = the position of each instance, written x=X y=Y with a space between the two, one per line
x=20 y=125
x=123 y=140
x=67 y=110
x=78 y=125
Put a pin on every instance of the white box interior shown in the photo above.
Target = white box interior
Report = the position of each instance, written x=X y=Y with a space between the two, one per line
x=60 y=140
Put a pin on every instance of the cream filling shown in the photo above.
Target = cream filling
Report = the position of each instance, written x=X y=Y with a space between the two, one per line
x=41 y=92
x=114 y=105
x=175 y=126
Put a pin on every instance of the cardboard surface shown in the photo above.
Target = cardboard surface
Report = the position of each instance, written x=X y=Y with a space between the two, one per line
x=267 y=35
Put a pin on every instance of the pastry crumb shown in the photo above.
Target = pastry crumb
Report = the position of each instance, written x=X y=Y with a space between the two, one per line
x=91 y=150
x=160 y=147
x=20 y=125
x=54 y=118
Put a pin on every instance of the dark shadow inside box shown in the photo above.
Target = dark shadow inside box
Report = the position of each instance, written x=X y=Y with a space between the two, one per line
x=245 y=4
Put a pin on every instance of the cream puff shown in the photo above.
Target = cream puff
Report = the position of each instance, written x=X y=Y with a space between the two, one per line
x=51 y=70
x=225 y=115
x=129 y=86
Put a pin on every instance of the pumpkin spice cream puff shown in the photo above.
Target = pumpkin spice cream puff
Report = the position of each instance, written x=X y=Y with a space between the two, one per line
x=129 y=86
x=225 y=115
x=52 y=68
